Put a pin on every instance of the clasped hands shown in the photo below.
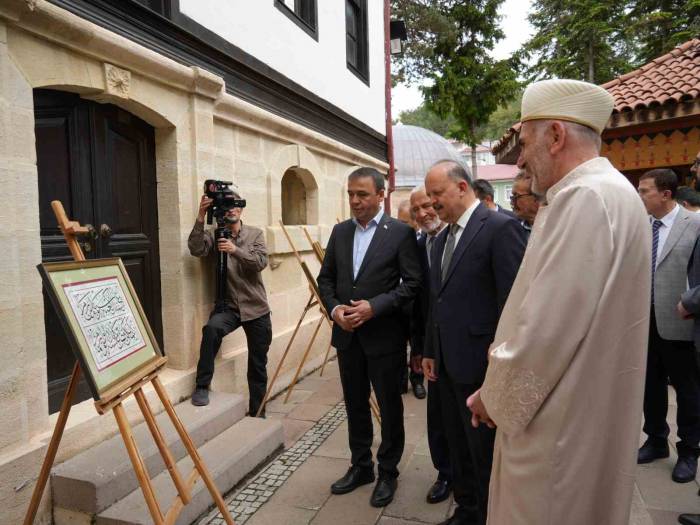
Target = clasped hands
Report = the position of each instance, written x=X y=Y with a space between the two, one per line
x=353 y=316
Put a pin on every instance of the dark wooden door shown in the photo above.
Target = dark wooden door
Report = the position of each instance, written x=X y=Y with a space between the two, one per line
x=99 y=160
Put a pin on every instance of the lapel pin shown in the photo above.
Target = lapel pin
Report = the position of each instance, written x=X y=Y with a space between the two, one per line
x=385 y=227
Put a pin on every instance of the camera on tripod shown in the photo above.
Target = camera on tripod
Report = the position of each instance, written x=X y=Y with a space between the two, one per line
x=224 y=199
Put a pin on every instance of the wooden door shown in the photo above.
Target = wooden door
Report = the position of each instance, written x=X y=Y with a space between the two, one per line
x=99 y=160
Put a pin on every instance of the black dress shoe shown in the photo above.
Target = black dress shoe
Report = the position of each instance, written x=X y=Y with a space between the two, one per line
x=685 y=469
x=383 y=492
x=418 y=390
x=440 y=491
x=200 y=397
x=689 y=519
x=353 y=478
x=651 y=451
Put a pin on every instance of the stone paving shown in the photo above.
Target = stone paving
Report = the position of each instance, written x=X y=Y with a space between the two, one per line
x=294 y=488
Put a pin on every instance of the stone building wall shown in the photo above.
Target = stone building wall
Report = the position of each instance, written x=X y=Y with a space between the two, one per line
x=200 y=132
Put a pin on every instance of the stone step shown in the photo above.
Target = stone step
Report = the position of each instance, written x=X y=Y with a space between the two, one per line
x=93 y=480
x=229 y=457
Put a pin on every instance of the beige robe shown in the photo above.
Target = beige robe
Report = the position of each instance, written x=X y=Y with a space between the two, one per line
x=565 y=379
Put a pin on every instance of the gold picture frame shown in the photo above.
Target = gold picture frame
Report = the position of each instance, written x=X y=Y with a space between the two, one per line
x=103 y=320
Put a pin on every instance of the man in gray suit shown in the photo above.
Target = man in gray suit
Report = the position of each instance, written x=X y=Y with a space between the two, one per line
x=671 y=350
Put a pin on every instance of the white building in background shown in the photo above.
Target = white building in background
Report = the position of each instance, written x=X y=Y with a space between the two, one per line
x=483 y=153
x=121 y=109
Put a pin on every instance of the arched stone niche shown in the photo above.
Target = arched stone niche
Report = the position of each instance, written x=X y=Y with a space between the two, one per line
x=295 y=184
x=299 y=197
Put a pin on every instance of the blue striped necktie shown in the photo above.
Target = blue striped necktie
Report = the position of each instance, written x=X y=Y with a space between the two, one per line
x=654 y=248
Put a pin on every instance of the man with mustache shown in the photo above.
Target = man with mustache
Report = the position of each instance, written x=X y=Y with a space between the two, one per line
x=430 y=225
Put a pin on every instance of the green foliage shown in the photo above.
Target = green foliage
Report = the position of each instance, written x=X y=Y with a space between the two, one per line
x=660 y=25
x=501 y=119
x=425 y=118
x=448 y=45
x=580 y=39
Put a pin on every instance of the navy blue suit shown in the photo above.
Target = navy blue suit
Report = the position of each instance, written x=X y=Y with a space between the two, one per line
x=462 y=319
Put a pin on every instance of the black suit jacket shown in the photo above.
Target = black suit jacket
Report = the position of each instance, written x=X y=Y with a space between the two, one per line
x=464 y=310
x=389 y=278
x=419 y=312
x=501 y=209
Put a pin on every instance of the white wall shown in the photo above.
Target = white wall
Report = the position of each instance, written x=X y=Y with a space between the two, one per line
x=262 y=30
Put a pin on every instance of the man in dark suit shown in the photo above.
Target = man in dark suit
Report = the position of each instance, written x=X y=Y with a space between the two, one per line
x=474 y=263
x=431 y=225
x=524 y=202
x=370 y=271
x=485 y=193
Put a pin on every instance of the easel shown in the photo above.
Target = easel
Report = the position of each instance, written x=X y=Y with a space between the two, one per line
x=112 y=400
x=314 y=300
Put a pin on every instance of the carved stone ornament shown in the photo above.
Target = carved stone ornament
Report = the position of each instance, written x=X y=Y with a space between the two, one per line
x=117 y=81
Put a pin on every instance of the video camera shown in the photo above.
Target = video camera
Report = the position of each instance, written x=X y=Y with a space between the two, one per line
x=223 y=199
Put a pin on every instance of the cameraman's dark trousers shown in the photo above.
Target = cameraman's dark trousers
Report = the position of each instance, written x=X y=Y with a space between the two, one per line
x=258 y=333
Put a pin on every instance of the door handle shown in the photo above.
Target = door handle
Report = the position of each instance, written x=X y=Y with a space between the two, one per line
x=105 y=231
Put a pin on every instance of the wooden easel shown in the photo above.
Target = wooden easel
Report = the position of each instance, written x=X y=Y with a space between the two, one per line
x=112 y=400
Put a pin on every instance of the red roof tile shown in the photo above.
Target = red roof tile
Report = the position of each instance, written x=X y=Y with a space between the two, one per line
x=669 y=79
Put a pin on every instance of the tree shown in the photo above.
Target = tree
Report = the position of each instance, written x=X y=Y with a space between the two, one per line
x=448 y=45
x=660 y=25
x=502 y=119
x=580 y=39
x=423 y=117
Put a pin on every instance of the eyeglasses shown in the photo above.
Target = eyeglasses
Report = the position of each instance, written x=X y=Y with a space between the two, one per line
x=696 y=164
x=514 y=196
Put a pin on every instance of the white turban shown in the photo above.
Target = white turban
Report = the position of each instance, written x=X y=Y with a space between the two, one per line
x=569 y=100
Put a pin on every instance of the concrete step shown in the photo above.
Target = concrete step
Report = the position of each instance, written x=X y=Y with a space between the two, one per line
x=93 y=480
x=229 y=457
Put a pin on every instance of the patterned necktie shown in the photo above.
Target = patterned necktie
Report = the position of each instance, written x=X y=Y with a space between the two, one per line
x=654 y=247
x=449 y=250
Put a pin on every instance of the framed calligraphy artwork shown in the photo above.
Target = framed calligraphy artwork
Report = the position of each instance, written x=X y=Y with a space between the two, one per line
x=103 y=319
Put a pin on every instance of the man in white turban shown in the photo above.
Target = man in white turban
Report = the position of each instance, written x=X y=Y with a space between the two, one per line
x=565 y=379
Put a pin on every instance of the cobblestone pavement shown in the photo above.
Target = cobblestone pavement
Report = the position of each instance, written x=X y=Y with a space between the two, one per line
x=294 y=488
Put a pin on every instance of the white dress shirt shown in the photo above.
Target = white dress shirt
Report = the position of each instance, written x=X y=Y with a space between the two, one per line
x=363 y=236
x=462 y=223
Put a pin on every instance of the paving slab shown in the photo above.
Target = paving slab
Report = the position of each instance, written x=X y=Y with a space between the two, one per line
x=281 y=515
x=409 y=502
x=309 y=411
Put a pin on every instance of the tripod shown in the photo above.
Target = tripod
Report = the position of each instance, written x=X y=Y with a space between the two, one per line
x=221 y=232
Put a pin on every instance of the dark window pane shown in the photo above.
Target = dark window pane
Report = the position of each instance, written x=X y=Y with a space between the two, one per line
x=351 y=49
x=306 y=10
x=351 y=16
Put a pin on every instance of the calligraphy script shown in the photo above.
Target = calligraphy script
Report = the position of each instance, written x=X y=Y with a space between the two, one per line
x=106 y=320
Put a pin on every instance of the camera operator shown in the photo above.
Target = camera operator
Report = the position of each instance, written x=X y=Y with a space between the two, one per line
x=245 y=304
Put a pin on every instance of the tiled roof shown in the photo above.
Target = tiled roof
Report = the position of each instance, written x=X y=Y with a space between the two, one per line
x=669 y=79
